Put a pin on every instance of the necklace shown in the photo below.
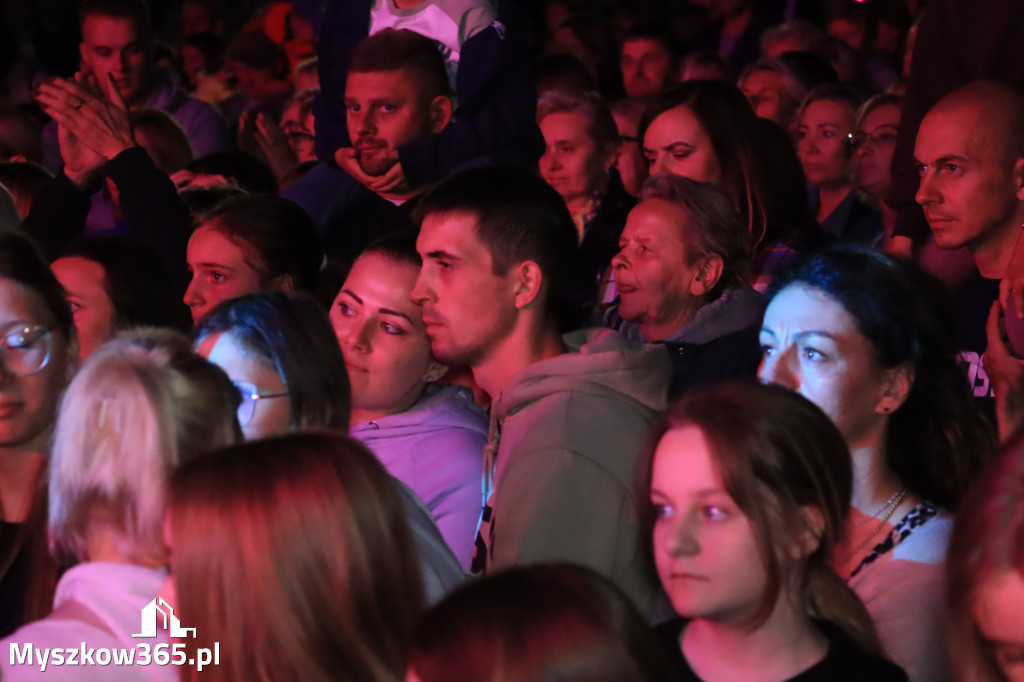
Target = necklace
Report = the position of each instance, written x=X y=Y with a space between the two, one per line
x=887 y=510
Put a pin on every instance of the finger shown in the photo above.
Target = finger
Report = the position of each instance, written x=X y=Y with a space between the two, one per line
x=994 y=331
x=115 y=93
x=1005 y=291
x=1018 y=299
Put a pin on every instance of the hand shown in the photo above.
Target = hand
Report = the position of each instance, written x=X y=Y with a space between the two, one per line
x=80 y=162
x=392 y=185
x=1012 y=284
x=1006 y=374
x=101 y=125
x=274 y=145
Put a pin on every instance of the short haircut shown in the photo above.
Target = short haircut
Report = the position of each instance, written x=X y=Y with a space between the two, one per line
x=135 y=280
x=141 y=405
x=243 y=168
x=211 y=46
x=537 y=623
x=657 y=33
x=163 y=138
x=519 y=217
x=601 y=126
x=276 y=232
x=256 y=50
x=290 y=333
x=401 y=49
x=138 y=10
x=717 y=226
x=562 y=72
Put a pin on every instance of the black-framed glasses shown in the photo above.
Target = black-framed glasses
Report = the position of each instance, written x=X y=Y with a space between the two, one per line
x=251 y=393
x=25 y=348
x=883 y=136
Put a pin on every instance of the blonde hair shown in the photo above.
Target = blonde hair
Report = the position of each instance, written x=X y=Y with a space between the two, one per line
x=141 y=405
x=294 y=554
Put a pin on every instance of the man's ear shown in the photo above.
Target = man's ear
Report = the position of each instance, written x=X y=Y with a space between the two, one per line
x=528 y=281
x=897 y=384
x=440 y=113
x=707 y=277
x=1018 y=178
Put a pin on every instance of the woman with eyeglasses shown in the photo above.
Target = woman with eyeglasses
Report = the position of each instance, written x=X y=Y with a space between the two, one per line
x=824 y=125
x=281 y=353
x=38 y=348
x=872 y=145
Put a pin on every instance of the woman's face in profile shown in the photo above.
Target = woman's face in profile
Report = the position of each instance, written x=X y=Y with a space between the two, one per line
x=221 y=270
x=676 y=142
x=85 y=282
x=382 y=337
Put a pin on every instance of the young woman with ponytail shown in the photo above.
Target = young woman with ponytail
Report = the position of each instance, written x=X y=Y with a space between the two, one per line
x=870 y=340
x=750 y=487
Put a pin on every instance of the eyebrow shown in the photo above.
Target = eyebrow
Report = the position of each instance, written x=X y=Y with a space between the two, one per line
x=802 y=335
x=442 y=254
x=385 y=311
x=219 y=266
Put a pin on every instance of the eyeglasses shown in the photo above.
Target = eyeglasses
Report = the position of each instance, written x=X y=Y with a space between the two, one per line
x=250 y=394
x=886 y=135
x=25 y=348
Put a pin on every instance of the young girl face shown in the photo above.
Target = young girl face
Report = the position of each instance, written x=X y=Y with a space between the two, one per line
x=705 y=547
x=220 y=271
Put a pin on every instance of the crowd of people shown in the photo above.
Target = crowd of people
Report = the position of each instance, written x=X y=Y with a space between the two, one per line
x=465 y=340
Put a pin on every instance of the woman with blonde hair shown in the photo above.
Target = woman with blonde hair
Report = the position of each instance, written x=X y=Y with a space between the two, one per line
x=294 y=556
x=139 y=407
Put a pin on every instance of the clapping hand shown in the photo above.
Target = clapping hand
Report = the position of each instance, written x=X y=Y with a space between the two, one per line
x=91 y=129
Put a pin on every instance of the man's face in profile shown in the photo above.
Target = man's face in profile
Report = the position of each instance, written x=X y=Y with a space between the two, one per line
x=385 y=110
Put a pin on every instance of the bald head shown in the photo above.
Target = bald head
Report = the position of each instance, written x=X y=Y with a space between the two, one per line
x=970 y=154
x=989 y=112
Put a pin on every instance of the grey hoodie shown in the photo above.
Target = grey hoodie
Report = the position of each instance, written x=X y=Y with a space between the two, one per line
x=436 y=448
x=564 y=450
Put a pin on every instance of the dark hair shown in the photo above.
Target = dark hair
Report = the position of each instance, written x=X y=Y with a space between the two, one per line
x=136 y=281
x=397 y=246
x=988 y=541
x=163 y=138
x=778 y=453
x=401 y=49
x=725 y=114
x=784 y=194
x=202 y=200
x=254 y=49
x=862 y=15
x=210 y=45
x=290 y=332
x=250 y=173
x=600 y=37
x=137 y=10
x=848 y=63
x=549 y=622
x=519 y=217
x=20 y=135
x=281 y=235
x=24 y=180
x=22 y=262
x=938 y=440
x=655 y=32
x=562 y=72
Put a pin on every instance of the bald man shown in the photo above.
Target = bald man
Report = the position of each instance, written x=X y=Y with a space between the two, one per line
x=970 y=156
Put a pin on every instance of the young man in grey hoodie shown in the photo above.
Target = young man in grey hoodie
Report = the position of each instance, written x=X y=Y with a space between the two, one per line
x=570 y=414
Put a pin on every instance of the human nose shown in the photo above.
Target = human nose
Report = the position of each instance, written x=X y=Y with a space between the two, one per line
x=357 y=337
x=927 y=190
x=194 y=294
x=365 y=123
x=681 y=539
x=422 y=291
x=619 y=260
x=657 y=164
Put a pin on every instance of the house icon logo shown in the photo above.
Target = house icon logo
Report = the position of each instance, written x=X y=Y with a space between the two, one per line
x=170 y=621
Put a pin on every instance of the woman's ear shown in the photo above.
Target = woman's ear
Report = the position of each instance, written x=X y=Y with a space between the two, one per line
x=897 y=382
x=435 y=370
x=708 y=276
x=811 y=530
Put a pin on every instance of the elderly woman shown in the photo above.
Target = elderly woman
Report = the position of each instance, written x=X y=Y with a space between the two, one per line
x=140 y=406
x=681 y=273
x=581 y=147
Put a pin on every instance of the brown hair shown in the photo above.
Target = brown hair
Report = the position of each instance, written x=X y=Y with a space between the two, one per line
x=777 y=454
x=551 y=622
x=394 y=49
x=163 y=139
x=988 y=540
x=295 y=555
